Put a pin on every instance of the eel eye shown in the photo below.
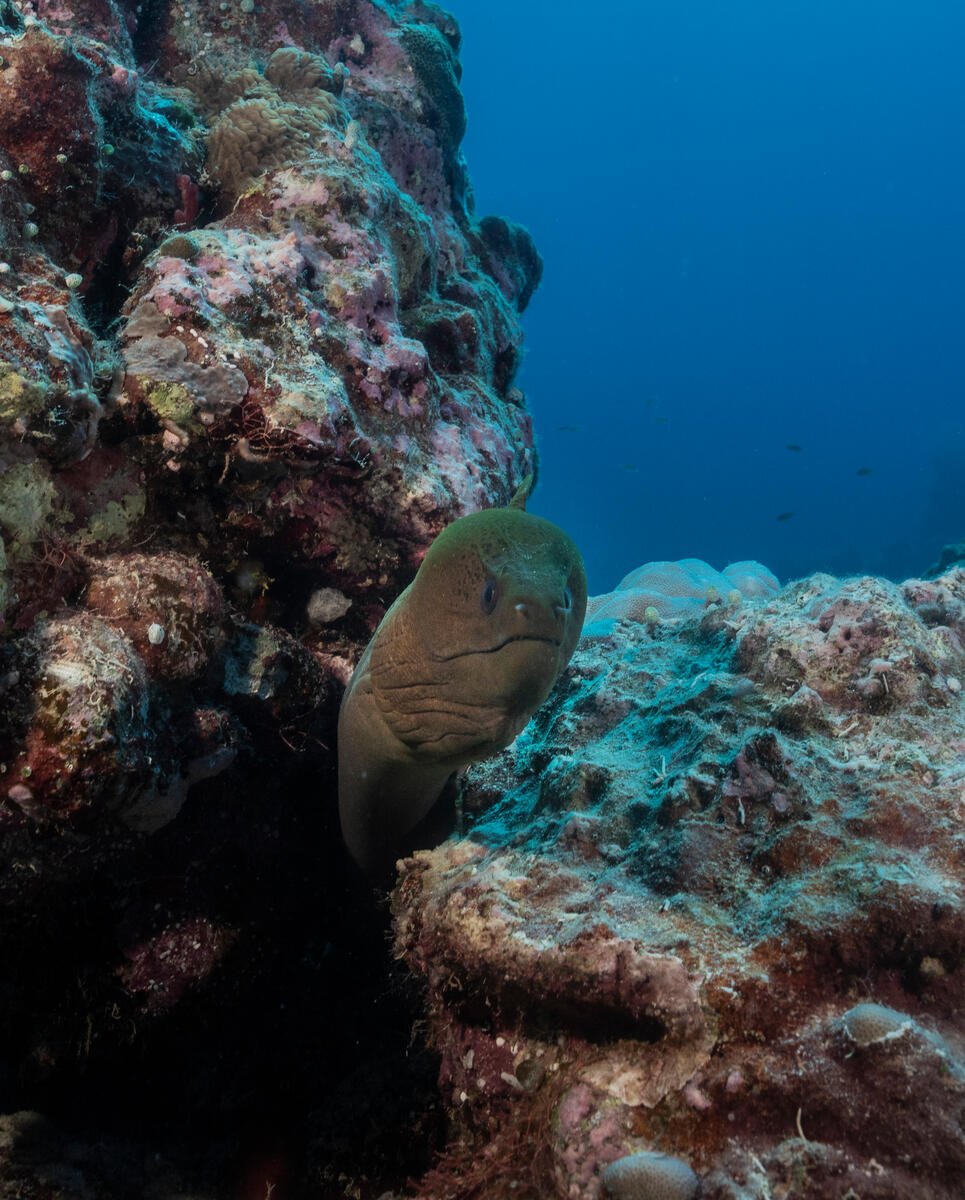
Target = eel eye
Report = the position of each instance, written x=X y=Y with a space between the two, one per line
x=490 y=594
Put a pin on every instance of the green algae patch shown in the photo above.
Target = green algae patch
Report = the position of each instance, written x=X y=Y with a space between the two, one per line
x=19 y=397
x=112 y=524
x=170 y=402
x=27 y=499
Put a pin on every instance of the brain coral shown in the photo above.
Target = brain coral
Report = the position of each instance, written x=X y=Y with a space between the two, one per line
x=277 y=119
x=649 y=1176
x=868 y=1023
x=437 y=70
x=296 y=73
x=677 y=589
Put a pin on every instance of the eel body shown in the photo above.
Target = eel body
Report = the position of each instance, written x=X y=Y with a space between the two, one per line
x=454 y=671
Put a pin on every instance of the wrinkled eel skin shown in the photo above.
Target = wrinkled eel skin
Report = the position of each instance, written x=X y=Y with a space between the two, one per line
x=456 y=668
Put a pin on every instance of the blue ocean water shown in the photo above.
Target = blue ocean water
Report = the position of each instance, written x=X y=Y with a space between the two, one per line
x=750 y=337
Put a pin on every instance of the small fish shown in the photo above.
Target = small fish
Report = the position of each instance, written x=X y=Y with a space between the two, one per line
x=794 y=446
x=629 y=466
x=567 y=429
x=662 y=420
x=863 y=471
x=786 y=516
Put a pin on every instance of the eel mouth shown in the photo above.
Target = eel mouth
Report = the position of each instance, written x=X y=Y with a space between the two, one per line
x=545 y=639
x=523 y=637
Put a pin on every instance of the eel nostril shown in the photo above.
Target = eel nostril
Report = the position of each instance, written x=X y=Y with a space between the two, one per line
x=522 y=609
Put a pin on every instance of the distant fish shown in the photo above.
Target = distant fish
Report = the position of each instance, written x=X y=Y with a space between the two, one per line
x=567 y=429
x=629 y=466
x=863 y=471
x=662 y=420
x=794 y=446
x=785 y=516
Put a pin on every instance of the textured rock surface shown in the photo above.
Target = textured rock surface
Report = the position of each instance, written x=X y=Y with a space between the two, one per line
x=255 y=351
x=709 y=905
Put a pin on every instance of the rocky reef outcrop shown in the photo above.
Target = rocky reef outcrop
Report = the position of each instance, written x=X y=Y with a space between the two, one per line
x=703 y=932
x=256 y=350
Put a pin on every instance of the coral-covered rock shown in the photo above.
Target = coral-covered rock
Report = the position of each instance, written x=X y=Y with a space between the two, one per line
x=160 y=969
x=81 y=707
x=84 y=732
x=863 y=644
x=316 y=352
x=256 y=349
x=710 y=905
x=168 y=605
x=89 y=149
x=952 y=555
x=323 y=376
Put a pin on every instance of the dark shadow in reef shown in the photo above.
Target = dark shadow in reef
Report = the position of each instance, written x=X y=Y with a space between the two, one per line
x=295 y=1057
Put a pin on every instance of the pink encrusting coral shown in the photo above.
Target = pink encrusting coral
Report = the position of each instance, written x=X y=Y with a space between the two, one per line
x=711 y=903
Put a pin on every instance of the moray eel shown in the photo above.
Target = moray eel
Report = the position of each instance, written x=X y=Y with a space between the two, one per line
x=456 y=668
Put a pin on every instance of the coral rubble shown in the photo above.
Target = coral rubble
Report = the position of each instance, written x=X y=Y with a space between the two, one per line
x=709 y=906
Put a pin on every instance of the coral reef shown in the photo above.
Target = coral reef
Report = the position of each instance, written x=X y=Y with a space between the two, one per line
x=256 y=350
x=705 y=919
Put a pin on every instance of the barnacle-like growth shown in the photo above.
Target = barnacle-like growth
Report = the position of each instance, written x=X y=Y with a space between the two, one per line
x=136 y=593
x=82 y=692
